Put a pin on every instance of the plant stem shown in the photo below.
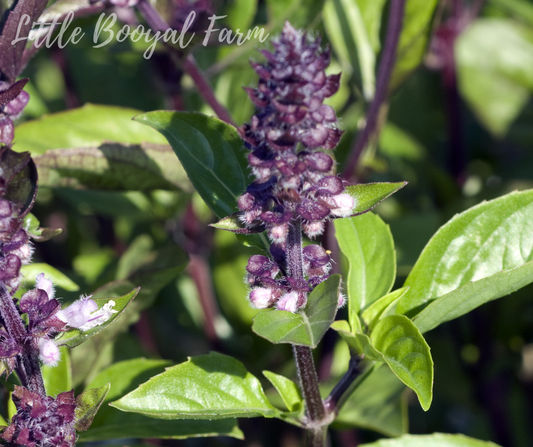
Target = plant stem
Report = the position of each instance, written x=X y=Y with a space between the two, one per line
x=189 y=65
x=28 y=368
x=303 y=355
x=344 y=388
x=386 y=66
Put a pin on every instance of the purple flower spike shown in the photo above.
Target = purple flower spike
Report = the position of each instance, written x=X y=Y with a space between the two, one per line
x=12 y=102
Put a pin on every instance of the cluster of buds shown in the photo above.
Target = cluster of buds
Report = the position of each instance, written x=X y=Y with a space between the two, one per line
x=295 y=187
x=42 y=420
x=270 y=288
x=294 y=176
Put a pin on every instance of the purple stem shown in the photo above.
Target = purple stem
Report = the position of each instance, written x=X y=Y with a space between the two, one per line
x=157 y=23
x=303 y=355
x=382 y=85
x=28 y=368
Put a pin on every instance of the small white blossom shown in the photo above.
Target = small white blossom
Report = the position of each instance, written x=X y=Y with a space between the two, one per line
x=48 y=352
x=344 y=205
x=261 y=298
x=84 y=314
x=289 y=302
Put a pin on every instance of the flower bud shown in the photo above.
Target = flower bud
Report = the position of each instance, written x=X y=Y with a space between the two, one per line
x=345 y=205
x=45 y=284
x=288 y=302
x=261 y=298
x=48 y=352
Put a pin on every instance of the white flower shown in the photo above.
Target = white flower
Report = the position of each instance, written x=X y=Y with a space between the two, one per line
x=84 y=314
x=261 y=298
x=48 y=352
x=345 y=204
x=289 y=302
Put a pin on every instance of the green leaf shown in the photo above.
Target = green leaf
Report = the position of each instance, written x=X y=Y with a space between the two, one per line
x=111 y=423
x=88 y=126
x=520 y=9
x=301 y=13
x=288 y=390
x=212 y=386
x=88 y=404
x=32 y=226
x=413 y=38
x=234 y=224
x=358 y=343
x=377 y=404
x=475 y=244
x=307 y=327
x=407 y=354
x=113 y=166
x=76 y=337
x=211 y=153
x=434 y=440
x=466 y=298
x=368 y=195
x=59 y=279
x=353 y=28
x=58 y=379
x=240 y=14
x=367 y=243
x=496 y=56
x=380 y=307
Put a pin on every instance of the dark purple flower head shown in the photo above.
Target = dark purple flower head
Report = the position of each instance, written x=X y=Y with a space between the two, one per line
x=41 y=421
x=287 y=134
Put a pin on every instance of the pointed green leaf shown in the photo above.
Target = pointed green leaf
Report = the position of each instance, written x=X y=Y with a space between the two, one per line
x=58 y=379
x=87 y=405
x=234 y=224
x=88 y=126
x=417 y=22
x=379 y=308
x=300 y=12
x=211 y=152
x=113 y=166
x=32 y=226
x=466 y=298
x=368 y=195
x=358 y=343
x=76 y=337
x=194 y=390
x=434 y=440
x=475 y=244
x=407 y=354
x=111 y=423
x=59 y=279
x=288 y=390
x=307 y=327
x=367 y=243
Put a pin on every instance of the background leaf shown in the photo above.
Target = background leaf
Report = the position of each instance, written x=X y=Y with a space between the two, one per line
x=495 y=55
x=115 y=166
x=366 y=242
x=407 y=354
x=307 y=327
x=288 y=390
x=59 y=279
x=434 y=440
x=192 y=390
x=87 y=405
x=413 y=38
x=88 y=126
x=58 y=379
x=111 y=423
x=211 y=152
x=475 y=244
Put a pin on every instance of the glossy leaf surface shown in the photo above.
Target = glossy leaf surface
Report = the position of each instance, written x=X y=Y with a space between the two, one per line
x=434 y=440
x=374 y=312
x=193 y=390
x=288 y=390
x=480 y=242
x=366 y=242
x=87 y=405
x=407 y=354
x=111 y=423
x=307 y=327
